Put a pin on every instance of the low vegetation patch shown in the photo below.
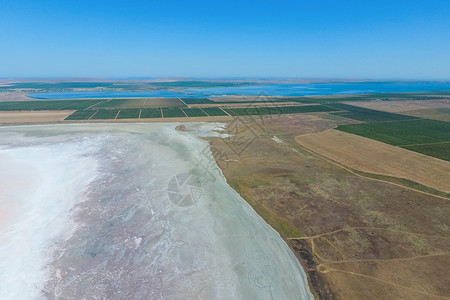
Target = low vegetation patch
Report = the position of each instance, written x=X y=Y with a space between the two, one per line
x=214 y=111
x=365 y=114
x=47 y=105
x=439 y=150
x=81 y=115
x=129 y=113
x=275 y=110
x=194 y=112
x=197 y=101
x=108 y=114
x=148 y=113
x=173 y=113
x=422 y=135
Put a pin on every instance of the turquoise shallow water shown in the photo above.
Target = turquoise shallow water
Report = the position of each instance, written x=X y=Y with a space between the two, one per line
x=270 y=89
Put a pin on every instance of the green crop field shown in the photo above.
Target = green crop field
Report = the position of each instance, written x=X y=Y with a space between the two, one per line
x=197 y=101
x=77 y=104
x=369 y=97
x=141 y=103
x=129 y=113
x=329 y=99
x=423 y=135
x=251 y=111
x=150 y=113
x=406 y=132
x=275 y=110
x=108 y=114
x=80 y=115
x=119 y=103
x=303 y=109
x=93 y=104
x=194 y=112
x=173 y=113
x=365 y=114
x=439 y=150
x=214 y=111
x=47 y=105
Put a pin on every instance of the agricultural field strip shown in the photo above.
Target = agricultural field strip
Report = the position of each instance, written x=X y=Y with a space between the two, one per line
x=117 y=103
x=275 y=110
x=182 y=101
x=106 y=114
x=46 y=105
x=212 y=111
x=150 y=113
x=173 y=113
x=429 y=137
x=90 y=107
x=224 y=111
x=366 y=114
x=204 y=112
x=375 y=157
x=93 y=115
x=194 y=112
x=184 y=112
x=375 y=133
x=141 y=103
x=425 y=131
x=435 y=143
x=81 y=115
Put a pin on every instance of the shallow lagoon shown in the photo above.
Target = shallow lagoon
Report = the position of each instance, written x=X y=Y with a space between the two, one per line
x=269 y=89
x=136 y=211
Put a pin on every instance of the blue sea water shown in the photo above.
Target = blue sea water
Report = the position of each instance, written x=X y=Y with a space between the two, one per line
x=310 y=89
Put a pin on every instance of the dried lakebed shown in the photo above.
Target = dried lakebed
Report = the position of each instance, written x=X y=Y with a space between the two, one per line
x=136 y=211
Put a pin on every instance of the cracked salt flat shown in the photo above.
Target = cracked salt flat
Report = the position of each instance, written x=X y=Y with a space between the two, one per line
x=91 y=217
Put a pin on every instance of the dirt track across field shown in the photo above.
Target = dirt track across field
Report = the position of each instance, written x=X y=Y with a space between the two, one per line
x=357 y=237
x=371 y=156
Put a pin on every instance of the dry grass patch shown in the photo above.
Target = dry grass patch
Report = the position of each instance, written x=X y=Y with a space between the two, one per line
x=342 y=227
x=15 y=117
x=434 y=114
x=375 y=157
x=402 y=106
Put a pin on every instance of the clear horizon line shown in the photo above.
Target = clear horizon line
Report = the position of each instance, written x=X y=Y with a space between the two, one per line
x=231 y=78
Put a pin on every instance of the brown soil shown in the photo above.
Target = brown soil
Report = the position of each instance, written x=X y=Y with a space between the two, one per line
x=14 y=96
x=24 y=117
x=371 y=156
x=182 y=128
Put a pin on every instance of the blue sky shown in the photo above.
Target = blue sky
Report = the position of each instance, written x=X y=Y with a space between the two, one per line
x=302 y=39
